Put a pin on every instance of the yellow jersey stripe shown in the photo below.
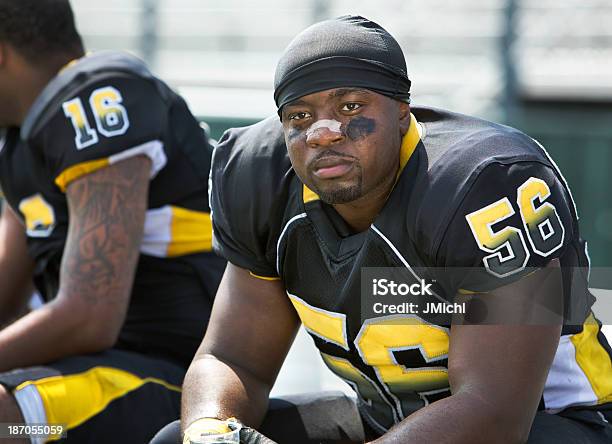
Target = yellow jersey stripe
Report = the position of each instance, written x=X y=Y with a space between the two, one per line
x=79 y=170
x=190 y=232
x=152 y=149
x=322 y=323
x=73 y=399
x=265 y=278
x=594 y=360
x=409 y=143
x=308 y=195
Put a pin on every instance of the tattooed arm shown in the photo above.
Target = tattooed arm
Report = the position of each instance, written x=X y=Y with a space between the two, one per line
x=107 y=210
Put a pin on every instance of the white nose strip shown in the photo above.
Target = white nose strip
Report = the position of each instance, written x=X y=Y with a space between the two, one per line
x=332 y=125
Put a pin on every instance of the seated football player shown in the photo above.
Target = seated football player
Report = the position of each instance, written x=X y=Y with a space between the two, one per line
x=494 y=343
x=104 y=170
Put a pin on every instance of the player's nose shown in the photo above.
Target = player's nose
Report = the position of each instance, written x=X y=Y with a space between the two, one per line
x=324 y=135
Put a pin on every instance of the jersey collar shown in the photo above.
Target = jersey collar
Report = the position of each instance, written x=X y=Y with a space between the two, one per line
x=409 y=143
x=79 y=70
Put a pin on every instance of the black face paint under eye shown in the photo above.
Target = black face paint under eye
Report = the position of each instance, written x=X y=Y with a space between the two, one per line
x=360 y=127
x=293 y=134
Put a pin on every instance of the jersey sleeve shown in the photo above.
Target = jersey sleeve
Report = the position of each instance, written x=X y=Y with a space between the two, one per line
x=248 y=174
x=514 y=219
x=103 y=122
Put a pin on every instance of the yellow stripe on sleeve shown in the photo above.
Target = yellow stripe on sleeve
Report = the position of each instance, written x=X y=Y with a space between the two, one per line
x=190 y=231
x=594 y=360
x=79 y=170
x=264 y=278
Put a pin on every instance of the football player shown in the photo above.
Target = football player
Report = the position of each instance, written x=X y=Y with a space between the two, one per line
x=353 y=177
x=104 y=170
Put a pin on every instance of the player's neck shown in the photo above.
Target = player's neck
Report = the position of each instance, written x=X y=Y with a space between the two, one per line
x=36 y=77
x=361 y=213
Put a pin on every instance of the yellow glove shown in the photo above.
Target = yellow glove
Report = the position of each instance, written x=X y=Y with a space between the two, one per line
x=205 y=426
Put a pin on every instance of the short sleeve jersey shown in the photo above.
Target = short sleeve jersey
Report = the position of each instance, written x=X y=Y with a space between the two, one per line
x=97 y=111
x=472 y=196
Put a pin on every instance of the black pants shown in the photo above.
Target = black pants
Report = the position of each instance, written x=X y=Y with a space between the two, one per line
x=328 y=417
x=573 y=426
x=334 y=418
x=114 y=396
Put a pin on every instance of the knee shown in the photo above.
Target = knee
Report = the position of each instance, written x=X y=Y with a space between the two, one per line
x=170 y=434
x=9 y=410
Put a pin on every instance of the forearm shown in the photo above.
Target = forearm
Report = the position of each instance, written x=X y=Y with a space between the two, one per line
x=217 y=389
x=43 y=335
x=459 y=419
x=14 y=297
x=9 y=313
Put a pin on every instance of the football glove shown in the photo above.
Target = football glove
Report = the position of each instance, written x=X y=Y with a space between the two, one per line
x=214 y=426
x=249 y=435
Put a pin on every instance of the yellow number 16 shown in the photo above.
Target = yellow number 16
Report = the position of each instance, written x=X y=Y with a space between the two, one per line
x=110 y=116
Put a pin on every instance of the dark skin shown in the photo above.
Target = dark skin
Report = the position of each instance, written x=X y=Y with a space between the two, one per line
x=22 y=79
x=106 y=213
x=496 y=372
x=107 y=210
x=235 y=368
x=96 y=275
x=367 y=143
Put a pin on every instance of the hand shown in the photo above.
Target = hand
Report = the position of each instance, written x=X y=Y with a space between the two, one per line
x=252 y=436
x=214 y=426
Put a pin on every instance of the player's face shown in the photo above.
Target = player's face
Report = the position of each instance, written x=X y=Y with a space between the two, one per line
x=344 y=143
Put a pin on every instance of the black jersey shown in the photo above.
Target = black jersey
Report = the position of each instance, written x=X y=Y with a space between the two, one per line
x=99 y=110
x=471 y=195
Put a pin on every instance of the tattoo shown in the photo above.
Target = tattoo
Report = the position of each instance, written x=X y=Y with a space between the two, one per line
x=107 y=211
x=360 y=127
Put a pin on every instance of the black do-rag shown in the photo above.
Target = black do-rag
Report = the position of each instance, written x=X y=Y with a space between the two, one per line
x=348 y=51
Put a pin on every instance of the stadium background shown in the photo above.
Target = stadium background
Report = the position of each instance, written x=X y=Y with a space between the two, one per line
x=543 y=66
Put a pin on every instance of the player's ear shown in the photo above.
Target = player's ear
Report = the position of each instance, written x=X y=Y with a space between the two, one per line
x=404 y=117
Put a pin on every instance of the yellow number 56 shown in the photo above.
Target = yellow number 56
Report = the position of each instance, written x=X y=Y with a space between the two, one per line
x=508 y=251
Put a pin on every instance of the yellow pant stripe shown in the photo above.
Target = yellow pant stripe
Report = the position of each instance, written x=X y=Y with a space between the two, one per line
x=73 y=399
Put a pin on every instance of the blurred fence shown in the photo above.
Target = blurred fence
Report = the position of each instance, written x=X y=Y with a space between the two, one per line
x=542 y=65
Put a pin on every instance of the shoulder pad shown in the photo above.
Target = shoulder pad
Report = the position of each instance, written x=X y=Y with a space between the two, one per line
x=77 y=75
x=250 y=177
